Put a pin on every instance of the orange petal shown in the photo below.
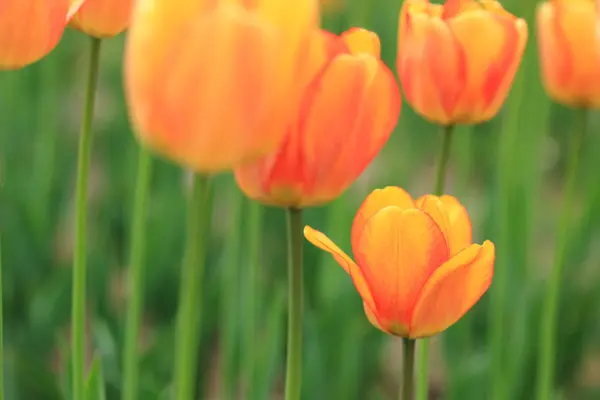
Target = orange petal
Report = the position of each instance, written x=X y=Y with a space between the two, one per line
x=453 y=289
x=324 y=243
x=347 y=115
x=452 y=218
x=103 y=18
x=397 y=253
x=361 y=40
x=431 y=65
x=492 y=56
x=378 y=199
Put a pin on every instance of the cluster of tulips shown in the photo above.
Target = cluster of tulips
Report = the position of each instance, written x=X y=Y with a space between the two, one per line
x=257 y=88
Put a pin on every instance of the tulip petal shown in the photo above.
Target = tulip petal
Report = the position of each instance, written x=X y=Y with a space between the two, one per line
x=397 y=253
x=378 y=199
x=492 y=57
x=452 y=290
x=324 y=243
x=347 y=115
x=361 y=40
x=103 y=18
x=452 y=219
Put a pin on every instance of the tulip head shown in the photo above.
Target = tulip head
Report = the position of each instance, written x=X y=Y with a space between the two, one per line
x=30 y=29
x=103 y=18
x=569 y=48
x=210 y=82
x=457 y=61
x=348 y=110
x=416 y=269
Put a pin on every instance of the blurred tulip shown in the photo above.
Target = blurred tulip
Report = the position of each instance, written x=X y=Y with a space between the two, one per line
x=570 y=51
x=417 y=271
x=348 y=111
x=457 y=61
x=210 y=83
x=30 y=29
x=103 y=18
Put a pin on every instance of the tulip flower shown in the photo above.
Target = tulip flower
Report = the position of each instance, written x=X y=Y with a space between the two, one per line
x=209 y=84
x=349 y=108
x=569 y=49
x=416 y=269
x=27 y=36
x=103 y=18
x=457 y=61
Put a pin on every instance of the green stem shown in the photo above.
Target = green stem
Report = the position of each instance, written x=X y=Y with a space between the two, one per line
x=253 y=236
x=136 y=275
x=423 y=348
x=79 y=267
x=547 y=354
x=408 y=369
x=188 y=318
x=294 y=343
x=229 y=296
x=440 y=180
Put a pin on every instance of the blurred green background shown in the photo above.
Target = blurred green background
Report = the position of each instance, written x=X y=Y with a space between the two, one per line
x=507 y=172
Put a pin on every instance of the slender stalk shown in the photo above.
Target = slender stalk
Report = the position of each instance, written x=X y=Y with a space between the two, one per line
x=229 y=297
x=408 y=367
x=188 y=319
x=423 y=348
x=79 y=267
x=294 y=343
x=547 y=354
x=253 y=236
x=135 y=278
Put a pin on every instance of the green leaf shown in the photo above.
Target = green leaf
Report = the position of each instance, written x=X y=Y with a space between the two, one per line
x=94 y=387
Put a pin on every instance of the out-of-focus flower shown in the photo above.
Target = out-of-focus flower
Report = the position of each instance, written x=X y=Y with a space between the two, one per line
x=103 y=18
x=30 y=29
x=348 y=111
x=569 y=49
x=416 y=269
x=210 y=83
x=457 y=61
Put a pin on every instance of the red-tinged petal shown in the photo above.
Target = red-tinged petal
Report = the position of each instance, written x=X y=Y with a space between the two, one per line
x=452 y=290
x=489 y=54
x=348 y=115
x=324 y=243
x=29 y=30
x=361 y=40
x=399 y=330
x=397 y=253
x=454 y=7
x=452 y=219
x=184 y=116
x=377 y=200
x=431 y=66
x=103 y=18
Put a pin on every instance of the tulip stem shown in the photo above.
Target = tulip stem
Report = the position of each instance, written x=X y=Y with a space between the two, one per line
x=187 y=337
x=294 y=343
x=423 y=348
x=443 y=159
x=135 y=279
x=79 y=257
x=547 y=354
x=407 y=369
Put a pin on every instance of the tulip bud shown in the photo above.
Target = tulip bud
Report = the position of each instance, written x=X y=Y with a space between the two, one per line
x=27 y=35
x=103 y=18
x=457 y=61
x=416 y=269
x=569 y=49
x=349 y=109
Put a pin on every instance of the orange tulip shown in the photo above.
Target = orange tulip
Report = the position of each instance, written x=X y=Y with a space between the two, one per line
x=348 y=111
x=30 y=29
x=103 y=18
x=457 y=61
x=569 y=49
x=207 y=82
x=416 y=271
